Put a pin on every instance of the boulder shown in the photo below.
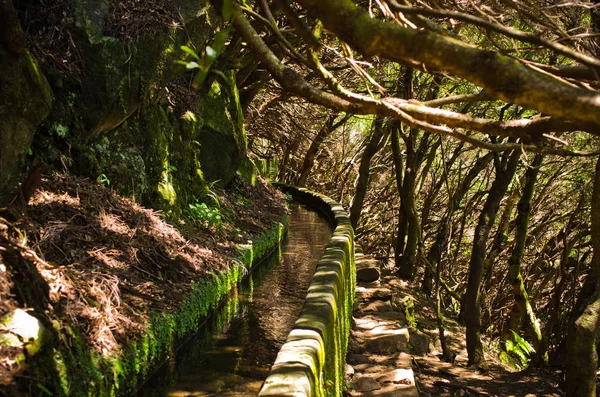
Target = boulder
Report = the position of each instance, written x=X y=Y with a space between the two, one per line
x=388 y=341
x=419 y=342
x=366 y=384
x=367 y=274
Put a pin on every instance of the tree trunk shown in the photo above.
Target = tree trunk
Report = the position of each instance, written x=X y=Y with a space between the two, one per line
x=505 y=171
x=399 y=174
x=407 y=196
x=443 y=234
x=582 y=359
x=362 y=184
x=313 y=150
x=522 y=313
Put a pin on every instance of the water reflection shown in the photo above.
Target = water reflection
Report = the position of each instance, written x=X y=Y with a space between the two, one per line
x=232 y=353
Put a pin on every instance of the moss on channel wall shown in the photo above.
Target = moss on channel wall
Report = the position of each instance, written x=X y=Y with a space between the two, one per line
x=311 y=362
x=72 y=369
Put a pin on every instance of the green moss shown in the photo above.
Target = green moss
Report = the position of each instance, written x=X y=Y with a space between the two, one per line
x=222 y=136
x=70 y=368
x=311 y=362
x=26 y=101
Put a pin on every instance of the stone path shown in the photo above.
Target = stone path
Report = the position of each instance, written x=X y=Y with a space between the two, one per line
x=378 y=360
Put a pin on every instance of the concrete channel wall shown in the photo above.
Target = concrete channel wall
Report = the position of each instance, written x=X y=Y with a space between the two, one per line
x=311 y=362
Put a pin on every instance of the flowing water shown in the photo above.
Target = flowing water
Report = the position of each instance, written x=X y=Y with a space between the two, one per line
x=234 y=349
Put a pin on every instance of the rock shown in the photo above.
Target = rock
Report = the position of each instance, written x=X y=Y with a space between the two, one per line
x=367 y=274
x=365 y=384
x=21 y=329
x=26 y=100
x=371 y=368
x=349 y=372
x=381 y=293
x=406 y=306
x=356 y=358
x=400 y=376
x=419 y=342
x=354 y=346
x=377 y=306
x=365 y=323
x=388 y=341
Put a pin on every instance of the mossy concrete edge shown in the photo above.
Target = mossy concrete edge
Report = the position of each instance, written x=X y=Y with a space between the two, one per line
x=311 y=362
x=82 y=372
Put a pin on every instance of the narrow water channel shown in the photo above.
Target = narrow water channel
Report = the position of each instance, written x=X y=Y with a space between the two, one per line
x=234 y=349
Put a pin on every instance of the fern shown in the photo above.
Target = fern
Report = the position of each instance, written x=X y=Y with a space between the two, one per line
x=517 y=351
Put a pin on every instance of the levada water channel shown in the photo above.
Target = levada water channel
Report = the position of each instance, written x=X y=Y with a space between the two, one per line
x=234 y=349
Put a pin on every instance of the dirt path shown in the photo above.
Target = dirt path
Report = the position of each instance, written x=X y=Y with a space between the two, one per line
x=394 y=348
x=378 y=363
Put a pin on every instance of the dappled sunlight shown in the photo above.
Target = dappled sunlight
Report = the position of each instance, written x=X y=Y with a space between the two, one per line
x=109 y=262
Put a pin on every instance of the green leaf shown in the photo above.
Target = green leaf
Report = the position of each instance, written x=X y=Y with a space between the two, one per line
x=44 y=389
x=210 y=54
x=220 y=40
x=227 y=10
x=199 y=77
x=190 y=51
x=192 y=65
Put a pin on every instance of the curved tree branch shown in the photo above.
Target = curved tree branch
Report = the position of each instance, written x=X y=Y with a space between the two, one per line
x=411 y=113
x=502 y=77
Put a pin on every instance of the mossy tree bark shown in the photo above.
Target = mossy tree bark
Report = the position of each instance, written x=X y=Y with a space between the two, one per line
x=582 y=359
x=408 y=260
x=506 y=167
x=362 y=183
x=522 y=312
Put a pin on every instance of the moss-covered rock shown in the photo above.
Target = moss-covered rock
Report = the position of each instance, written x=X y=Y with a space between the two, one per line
x=222 y=137
x=25 y=99
x=120 y=76
x=118 y=121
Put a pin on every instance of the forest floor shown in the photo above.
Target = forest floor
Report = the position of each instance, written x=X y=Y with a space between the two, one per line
x=435 y=377
x=81 y=254
x=394 y=346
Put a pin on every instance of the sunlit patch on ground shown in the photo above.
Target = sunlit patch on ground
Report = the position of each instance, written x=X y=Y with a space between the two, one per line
x=109 y=263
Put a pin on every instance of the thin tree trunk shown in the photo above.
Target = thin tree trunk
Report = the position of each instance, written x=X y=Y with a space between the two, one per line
x=362 y=183
x=311 y=154
x=504 y=175
x=399 y=173
x=582 y=359
x=407 y=196
x=500 y=239
x=441 y=239
x=522 y=313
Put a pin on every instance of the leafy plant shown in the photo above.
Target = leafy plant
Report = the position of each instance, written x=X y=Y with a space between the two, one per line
x=202 y=215
x=103 y=179
x=516 y=351
x=209 y=196
x=204 y=61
